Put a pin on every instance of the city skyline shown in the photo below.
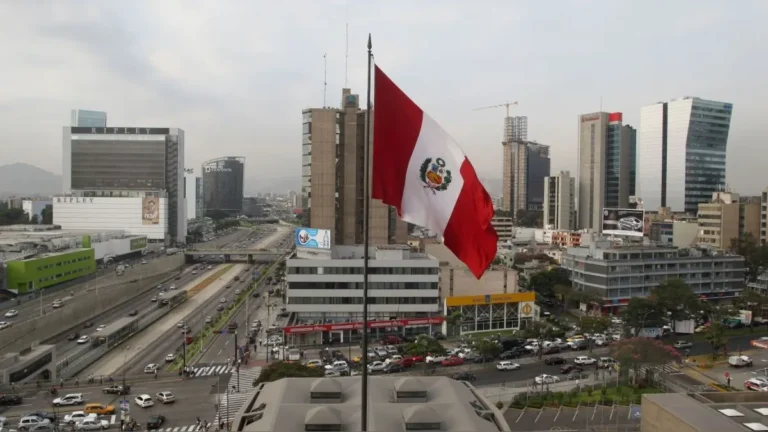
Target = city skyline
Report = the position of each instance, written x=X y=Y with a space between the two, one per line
x=185 y=78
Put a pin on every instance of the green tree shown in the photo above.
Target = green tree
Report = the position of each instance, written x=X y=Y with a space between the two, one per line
x=488 y=348
x=636 y=353
x=280 y=369
x=531 y=219
x=677 y=299
x=453 y=319
x=540 y=331
x=13 y=216
x=423 y=346
x=642 y=312
x=715 y=336
x=47 y=215
x=755 y=255
x=35 y=219
x=594 y=324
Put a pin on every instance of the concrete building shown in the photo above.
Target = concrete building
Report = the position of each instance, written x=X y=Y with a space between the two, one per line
x=325 y=286
x=606 y=166
x=35 y=208
x=679 y=234
x=254 y=207
x=619 y=273
x=332 y=172
x=526 y=165
x=35 y=363
x=190 y=193
x=704 y=412
x=223 y=185
x=394 y=403
x=764 y=216
x=681 y=152
x=559 y=205
x=727 y=217
x=86 y=118
x=505 y=228
x=47 y=269
x=104 y=166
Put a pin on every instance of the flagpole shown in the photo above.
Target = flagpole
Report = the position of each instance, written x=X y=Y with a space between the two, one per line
x=366 y=241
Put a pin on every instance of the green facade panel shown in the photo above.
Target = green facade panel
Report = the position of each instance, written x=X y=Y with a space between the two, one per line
x=27 y=275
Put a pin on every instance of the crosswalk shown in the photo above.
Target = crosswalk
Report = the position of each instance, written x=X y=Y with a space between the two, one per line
x=115 y=420
x=230 y=404
x=212 y=369
x=668 y=369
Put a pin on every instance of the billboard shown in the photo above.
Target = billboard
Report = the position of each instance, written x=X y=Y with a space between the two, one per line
x=313 y=238
x=150 y=211
x=627 y=222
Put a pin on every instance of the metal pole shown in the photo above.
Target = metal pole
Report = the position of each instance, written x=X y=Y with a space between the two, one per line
x=184 y=352
x=366 y=243
x=227 y=421
x=237 y=363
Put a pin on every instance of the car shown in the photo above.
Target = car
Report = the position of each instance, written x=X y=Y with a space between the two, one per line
x=607 y=362
x=756 y=384
x=73 y=336
x=70 y=399
x=92 y=424
x=159 y=286
x=393 y=367
x=172 y=287
x=77 y=417
x=4 y=325
x=681 y=344
x=208 y=320
x=165 y=397
x=83 y=339
x=555 y=360
x=10 y=399
x=584 y=360
x=101 y=327
x=464 y=376
x=43 y=415
x=435 y=358
x=577 y=375
x=181 y=324
x=453 y=361
x=381 y=352
x=237 y=292
x=630 y=223
x=42 y=427
x=29 y=422
x=99 y=409
x=133 y=312
x=569 y=368
x=144 y=261
x=153 y=299
x=88 y=324
x=507 y=366
x=194 y=272
x=165 y=302
x=161 y=294
x=377 y=366
x=151 y=368
x=546 y=379
x=155 y=421
x=220 y=307
x=117 y=389
x=143 y=401
x=57 y=304
x=314 y=363
x=11 y=313
x=170 y=358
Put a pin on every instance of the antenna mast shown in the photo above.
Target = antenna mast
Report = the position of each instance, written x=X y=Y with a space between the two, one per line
x=325 y=78
x=346 y=50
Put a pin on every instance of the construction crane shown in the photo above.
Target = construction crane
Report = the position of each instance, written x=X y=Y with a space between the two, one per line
x=505 y=105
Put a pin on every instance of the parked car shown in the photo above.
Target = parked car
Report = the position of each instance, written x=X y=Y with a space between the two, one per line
x=464 y=376
x=556 y=360
x=584 y=360
x=10 y=399
x=546 y=379
x=453 y=361
x=569 y=368
x=681 y=344
x=117 y=389
x=507 y=365
x=393 y=367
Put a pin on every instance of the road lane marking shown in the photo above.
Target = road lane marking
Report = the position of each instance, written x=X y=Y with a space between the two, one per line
x=520 y=416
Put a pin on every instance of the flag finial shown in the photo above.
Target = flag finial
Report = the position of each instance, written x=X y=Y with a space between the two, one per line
x=370 y=45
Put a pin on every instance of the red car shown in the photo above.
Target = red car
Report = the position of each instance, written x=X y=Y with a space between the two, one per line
x=406 y=362
x=391 y=340
x=414 y=358
x=453 y=361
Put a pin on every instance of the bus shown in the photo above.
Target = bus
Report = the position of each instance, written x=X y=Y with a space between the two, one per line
x=114 y=333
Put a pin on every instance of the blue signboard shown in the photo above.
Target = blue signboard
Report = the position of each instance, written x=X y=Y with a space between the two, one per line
x=312 y=238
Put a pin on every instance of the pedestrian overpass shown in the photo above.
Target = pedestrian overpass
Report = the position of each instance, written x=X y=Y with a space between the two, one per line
x=251 y=256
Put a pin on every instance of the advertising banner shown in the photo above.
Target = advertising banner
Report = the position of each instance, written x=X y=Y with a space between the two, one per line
x=138 y=243
x=150 y=211
x=627 y=222
x=312 y=238
x=359 y=325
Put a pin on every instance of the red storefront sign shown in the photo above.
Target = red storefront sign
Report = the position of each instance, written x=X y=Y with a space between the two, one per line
x=359 y=325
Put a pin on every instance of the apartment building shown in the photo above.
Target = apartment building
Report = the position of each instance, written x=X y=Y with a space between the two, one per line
x=559 y=206
x=727 y=217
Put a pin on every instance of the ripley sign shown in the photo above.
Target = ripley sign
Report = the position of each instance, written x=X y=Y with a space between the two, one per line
x=359 y=325
x=74 y=200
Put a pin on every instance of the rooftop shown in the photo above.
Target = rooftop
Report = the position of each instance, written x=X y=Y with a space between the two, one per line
x=722 y=412
x=464 y=282
x=395 y=404
x=356 y=252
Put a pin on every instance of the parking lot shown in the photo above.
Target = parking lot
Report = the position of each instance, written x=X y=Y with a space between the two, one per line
x=564 y=418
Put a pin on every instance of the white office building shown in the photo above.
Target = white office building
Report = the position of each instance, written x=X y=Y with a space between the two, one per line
x=681 y=152
x=559 y=206
x=190 y=193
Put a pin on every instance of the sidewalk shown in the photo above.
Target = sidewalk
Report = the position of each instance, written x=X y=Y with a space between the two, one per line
x=133 y=347
x=505 y=392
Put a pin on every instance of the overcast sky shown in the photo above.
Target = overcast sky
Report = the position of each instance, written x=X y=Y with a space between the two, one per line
x=235 y=75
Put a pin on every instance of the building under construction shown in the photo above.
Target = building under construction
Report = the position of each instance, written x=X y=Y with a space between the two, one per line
x=526 y=165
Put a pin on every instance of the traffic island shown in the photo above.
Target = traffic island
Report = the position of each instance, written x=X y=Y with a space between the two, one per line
x=590 y=395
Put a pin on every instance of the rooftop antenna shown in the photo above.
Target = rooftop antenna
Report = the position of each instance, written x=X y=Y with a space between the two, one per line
x=325 y=78
x=346 y=49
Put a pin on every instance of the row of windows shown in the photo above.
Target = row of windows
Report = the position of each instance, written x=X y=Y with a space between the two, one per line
x=61 y=263
x=359 y=300
x=359 y=270
x=359 y=285
x=61 y=275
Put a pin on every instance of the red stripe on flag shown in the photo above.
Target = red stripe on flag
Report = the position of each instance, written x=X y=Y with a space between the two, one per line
x=396 y=127
x=469 y=234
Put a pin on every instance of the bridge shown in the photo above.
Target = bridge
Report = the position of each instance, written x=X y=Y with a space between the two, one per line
x=251 y=256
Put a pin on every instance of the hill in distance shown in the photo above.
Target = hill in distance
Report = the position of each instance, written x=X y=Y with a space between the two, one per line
x=21 y=179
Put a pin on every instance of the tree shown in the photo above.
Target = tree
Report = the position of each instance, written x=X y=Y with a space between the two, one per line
x=594 y=324
x=715 y=335
x=527 y=218
x=544 y=282
x=13 y=216
x=47 y=215
x=453 y=320
x=280 y=369
x=755 y=255
x=642 y=312
x=638 y=352
x=676 y=298
x=423 y=346
x=540 y=331
x=563 y=293
x=34 y=220
x=488 y=348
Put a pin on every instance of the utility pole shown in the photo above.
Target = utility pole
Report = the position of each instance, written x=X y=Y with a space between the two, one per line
x=184 y=352
x=237 y=363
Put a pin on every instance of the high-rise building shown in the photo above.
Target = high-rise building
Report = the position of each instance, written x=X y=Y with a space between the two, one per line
x=199 y=197
x=127 y=178
x=516 y=128
x=332 y=176
x=86 y=118
x=726 y=217
x=223 y=184
x=559 y=207
x=606 y=166
x=526 y=164
x=190 y=191
x=681 y=152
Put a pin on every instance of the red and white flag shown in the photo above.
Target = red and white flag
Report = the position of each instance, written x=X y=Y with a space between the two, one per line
x=420 y=170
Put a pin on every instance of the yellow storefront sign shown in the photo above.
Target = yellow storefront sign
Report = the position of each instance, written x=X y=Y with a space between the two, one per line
x=490 y=299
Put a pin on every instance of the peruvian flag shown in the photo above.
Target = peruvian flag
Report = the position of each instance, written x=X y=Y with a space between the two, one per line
x=420 y=170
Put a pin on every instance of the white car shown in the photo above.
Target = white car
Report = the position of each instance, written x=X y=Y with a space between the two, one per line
x=584 y=360
x=101 y=327
x=77 y=417
x=208 y=320
x=546 y=379
x=172 y=287
x=57 y=304
x=330 y=373
x=222 y=300
x=166 y=397
x=180 y=324
x=435 y=359
x=237 y=292
x=756 y=384
x=11 y=313
x=70 y=399
x=29 y=422
x=376 y=366
x=4 y=324
x=534 y=346
x=170 y=357
x=507 y=366
x=151 y=368
x=83 y=340
x=92 y=424
x=144 y=401
x=394 y=358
